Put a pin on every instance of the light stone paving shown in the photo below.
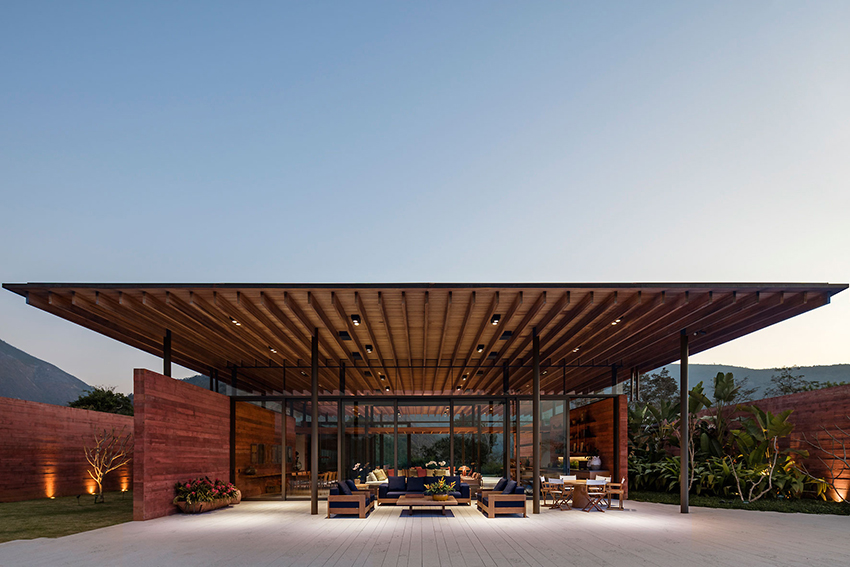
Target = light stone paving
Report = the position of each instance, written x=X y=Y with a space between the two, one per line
x=284 y=533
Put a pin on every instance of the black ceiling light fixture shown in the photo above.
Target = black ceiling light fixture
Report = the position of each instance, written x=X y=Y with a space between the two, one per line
x=382 y=377
x=355 y=319
x=576 y=349
x=458 y=388
x=494 y=320
x=235 y=322
x=465 y=376
x=272 y=350
x=480 y=348
x=387 y=389
x=369 y=349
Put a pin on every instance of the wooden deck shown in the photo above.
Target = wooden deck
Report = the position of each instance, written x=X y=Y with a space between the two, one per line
x=283 y=533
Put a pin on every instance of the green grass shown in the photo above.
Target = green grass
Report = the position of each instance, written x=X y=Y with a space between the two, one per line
x=62 y=516
x=803 y=505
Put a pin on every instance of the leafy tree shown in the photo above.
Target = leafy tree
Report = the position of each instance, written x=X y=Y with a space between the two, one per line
x=658 y=387
x=101 y=398
x=786 y=383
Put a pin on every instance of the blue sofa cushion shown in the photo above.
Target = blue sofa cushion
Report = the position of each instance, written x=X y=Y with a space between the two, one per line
x=396 y=484
x=344 y=505
x=509 y=487
x=455 y=494
x=509 y=504
x=395 y=494
x=519 y=490
x=334 y=491
x=351 y=484
x=500 y=485
x=416 y=484
x=344 y=489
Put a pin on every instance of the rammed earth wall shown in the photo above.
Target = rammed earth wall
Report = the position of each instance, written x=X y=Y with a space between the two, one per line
x=182 y=432
x=41 y=450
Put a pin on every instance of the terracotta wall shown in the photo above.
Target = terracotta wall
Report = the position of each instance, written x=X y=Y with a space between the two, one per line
x=41 y=450
x=828 y=408
x=254 y=426
x=182 y=432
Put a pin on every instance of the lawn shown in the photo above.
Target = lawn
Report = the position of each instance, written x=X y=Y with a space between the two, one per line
x=803 y=505
x=62 y=516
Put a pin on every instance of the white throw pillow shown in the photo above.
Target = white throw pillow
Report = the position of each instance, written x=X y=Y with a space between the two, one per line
x=371 y=477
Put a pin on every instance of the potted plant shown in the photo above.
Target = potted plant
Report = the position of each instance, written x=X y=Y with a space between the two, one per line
x=203 y=494
x=440 y=490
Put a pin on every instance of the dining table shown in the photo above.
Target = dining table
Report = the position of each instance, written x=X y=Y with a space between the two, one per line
x=580 y=498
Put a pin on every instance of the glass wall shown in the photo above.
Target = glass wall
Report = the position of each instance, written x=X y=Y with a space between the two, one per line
x=423 y=434
x=479 y=437
x=369 y=442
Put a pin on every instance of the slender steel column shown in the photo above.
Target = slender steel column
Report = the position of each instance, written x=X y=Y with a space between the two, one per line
x=395 y=438
x=616 y=467
x=478 y=439
x=166 y=353
x=567 y=447
x=314 y=423
x=506 y=437
x=211 y=378
x=451 y=436
x=535 y=416
x=683 y=421
x=283 y=483
x=505 y=379
x=340 y=440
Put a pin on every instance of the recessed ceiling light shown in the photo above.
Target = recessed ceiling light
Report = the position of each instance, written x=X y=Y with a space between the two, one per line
x=576 y=349
x=465 y=376
x=383 y=377
x=273 y=350
x=480 y=348
x=458 y=388
x=235 y=322
x=355 y=319
x=369 y=349
x=545 y=372
x=495 y=319
x=387 y=389
x=303 y=373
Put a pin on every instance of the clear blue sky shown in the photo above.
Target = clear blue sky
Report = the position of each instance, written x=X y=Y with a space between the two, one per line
x=471 y=141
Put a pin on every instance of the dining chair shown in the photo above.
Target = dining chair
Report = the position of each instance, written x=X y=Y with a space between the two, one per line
x=618 y=488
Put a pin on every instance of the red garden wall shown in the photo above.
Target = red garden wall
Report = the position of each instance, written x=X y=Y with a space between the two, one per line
x=813 y=411
x=182 y=432
x=41 y=450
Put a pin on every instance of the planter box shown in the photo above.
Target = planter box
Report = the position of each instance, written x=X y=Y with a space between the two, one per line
x=200 y=507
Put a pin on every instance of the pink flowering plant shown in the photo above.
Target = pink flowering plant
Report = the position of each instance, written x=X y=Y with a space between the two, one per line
x=204 y=490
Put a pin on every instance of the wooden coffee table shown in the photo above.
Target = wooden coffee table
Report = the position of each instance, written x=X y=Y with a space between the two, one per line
x=410 y=501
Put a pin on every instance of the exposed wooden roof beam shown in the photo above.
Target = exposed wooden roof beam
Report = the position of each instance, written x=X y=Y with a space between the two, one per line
x=460 y=337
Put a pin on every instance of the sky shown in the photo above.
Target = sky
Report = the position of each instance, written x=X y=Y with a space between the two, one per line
x=424 y=142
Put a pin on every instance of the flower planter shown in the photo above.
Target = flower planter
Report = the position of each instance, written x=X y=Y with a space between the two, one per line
x=200 y=507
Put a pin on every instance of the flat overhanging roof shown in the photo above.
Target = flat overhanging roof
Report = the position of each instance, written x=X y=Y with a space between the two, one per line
x=426 y=338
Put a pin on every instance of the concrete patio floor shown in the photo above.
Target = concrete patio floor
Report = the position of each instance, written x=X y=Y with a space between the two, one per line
x=284 y=533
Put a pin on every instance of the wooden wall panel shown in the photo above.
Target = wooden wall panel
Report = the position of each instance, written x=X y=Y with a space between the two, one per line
x=257 y=425
x=41 y=450
x=182 y=432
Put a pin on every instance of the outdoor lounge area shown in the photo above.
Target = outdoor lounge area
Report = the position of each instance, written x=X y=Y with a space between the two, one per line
x=391 y=386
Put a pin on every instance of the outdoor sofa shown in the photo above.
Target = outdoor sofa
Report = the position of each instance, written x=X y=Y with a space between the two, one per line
x=396 y=486
x=346 y=499
x=506 y=498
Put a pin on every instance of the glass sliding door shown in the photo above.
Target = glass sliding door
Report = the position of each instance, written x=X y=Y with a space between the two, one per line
x=369 y=441
x=479 y=430
x=423 y=437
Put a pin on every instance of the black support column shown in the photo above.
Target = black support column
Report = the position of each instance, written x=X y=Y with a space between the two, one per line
x=314 y=423
x=615 y=469
x=283 y=482
x=340 y=428
x=535 y=416
x=683 y=421
x=166 y=353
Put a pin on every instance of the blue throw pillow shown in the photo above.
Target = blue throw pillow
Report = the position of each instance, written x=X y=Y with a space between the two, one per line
x=500 y=485
x=352 y=485
x=510 y=487
x=416 y=484
x=344 y=489
x=396 y=484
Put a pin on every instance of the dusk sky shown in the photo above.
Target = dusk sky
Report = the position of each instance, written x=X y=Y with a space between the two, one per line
x=424 y=142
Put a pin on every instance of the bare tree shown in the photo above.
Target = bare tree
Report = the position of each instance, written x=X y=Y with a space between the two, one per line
x=110 y=451
x=835 y=450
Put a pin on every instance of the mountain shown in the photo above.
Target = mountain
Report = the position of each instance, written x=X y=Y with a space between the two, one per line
x=758 y=378
x=26 y=377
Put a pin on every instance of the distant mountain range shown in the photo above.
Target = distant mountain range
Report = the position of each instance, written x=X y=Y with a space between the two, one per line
x=758 y=378
x=26 y=377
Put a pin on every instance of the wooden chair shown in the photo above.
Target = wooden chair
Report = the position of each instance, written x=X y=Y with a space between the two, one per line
x=618 y=488
x=596 y=494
